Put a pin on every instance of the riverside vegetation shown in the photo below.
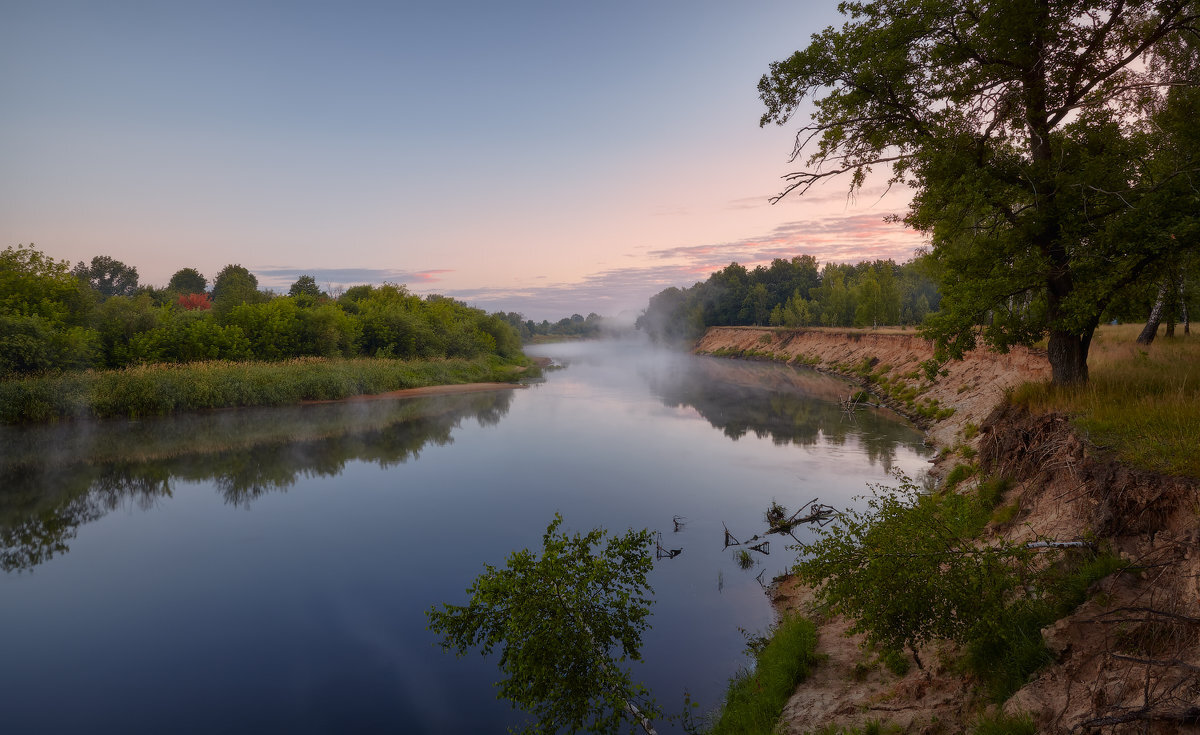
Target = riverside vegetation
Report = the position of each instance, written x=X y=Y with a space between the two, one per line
x=1142 y=403
x=89 y=342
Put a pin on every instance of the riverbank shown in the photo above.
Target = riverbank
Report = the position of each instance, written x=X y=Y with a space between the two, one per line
x=160 y=390
x=1126 y=659
x=888 y=363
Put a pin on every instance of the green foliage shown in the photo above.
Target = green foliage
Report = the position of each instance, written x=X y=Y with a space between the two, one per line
x=233 y=280
x=756 y=696
x=156 y=390
x=1003 y=724
x=31 y=344
x=44 y=311
x=34 y=285
x=51 y=321
x=187 y=281
x=910 y=569
x=1143 y=406
x=958 y=474
x=189 y=336
x=305 y=286
x=1048 y=186
x=118 y=321
x=108 y=276
x=907 y=569
x=564 y=621
x=793 y=294
x=895 y=661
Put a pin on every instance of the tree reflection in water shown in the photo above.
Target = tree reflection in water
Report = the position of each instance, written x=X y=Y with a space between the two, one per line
x=788 y=405
x=55 y=479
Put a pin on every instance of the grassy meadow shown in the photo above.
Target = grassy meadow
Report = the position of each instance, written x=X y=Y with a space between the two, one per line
x=161 y=389
x=1142 y=403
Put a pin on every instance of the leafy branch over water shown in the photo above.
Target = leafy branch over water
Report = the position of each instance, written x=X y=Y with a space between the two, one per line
x=564 y=622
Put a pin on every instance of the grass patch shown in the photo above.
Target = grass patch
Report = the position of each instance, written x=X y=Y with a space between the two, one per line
x=1141 y=403
x=1002 y=724
x=960 y=473
x=158 y=390
x=755 y=698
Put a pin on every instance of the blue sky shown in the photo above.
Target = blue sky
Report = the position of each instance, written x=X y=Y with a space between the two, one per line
x=547 y=158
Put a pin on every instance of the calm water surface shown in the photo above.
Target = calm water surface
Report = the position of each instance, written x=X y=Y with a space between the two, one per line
x=268 y=570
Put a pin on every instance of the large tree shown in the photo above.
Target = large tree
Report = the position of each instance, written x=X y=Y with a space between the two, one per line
x=1026 y=129
x=108 y=276
x=188 y=281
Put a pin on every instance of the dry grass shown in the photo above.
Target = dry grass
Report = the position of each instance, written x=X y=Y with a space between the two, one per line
x=1142 y=403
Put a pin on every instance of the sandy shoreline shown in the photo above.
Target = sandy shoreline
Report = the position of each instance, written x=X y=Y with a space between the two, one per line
x=429 y=390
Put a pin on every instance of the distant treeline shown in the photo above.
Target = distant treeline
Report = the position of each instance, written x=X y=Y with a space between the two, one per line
x=54 y=317
x=794 y=293
x=575 y=326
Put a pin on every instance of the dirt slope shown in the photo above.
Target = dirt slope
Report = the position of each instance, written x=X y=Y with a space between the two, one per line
x=972 y=387
x=1127 y=661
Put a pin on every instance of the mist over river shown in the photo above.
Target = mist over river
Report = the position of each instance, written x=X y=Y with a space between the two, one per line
x=268 y=570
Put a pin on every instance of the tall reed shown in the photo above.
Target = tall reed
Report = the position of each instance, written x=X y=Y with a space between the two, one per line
x=157 y=390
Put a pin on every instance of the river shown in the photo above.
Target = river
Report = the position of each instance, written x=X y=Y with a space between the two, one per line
x=268 y=570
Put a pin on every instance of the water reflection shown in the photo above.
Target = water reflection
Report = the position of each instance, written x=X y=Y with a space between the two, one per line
x=55 y=479
x=788 y=405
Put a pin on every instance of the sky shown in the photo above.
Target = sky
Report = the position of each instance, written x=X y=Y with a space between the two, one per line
x=548 y=158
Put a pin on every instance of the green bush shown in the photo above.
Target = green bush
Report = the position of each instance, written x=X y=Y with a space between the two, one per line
x=910 y=569
x=52 y=321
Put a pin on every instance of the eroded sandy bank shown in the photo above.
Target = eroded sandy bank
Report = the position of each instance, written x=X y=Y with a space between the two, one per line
x=972 y=387
x=1127 y=660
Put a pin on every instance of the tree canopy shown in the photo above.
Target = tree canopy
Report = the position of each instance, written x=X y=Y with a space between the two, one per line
x=794 y=293
x=188 y=281
x=50 y=320
x=108 y=276
x=305 y=285
x=1036 y=137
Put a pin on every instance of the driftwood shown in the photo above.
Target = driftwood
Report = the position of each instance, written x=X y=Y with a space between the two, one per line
x=660 y=552
x=777 y=522
x=1181 y=715
x=817 y=513
x=854 y=402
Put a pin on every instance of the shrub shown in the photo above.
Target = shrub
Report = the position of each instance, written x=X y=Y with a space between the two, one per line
x=909 y=569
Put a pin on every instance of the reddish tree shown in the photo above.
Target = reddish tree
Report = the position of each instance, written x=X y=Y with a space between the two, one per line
x=193 y=301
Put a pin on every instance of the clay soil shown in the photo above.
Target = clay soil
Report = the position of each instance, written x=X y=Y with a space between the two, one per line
x=1126 y=661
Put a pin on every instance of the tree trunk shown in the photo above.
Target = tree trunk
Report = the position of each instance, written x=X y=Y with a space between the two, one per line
x=1183 y=314
x=1068 y=358
x=1156 y=312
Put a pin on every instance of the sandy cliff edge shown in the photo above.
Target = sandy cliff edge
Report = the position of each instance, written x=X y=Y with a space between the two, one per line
x=1098 y=681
